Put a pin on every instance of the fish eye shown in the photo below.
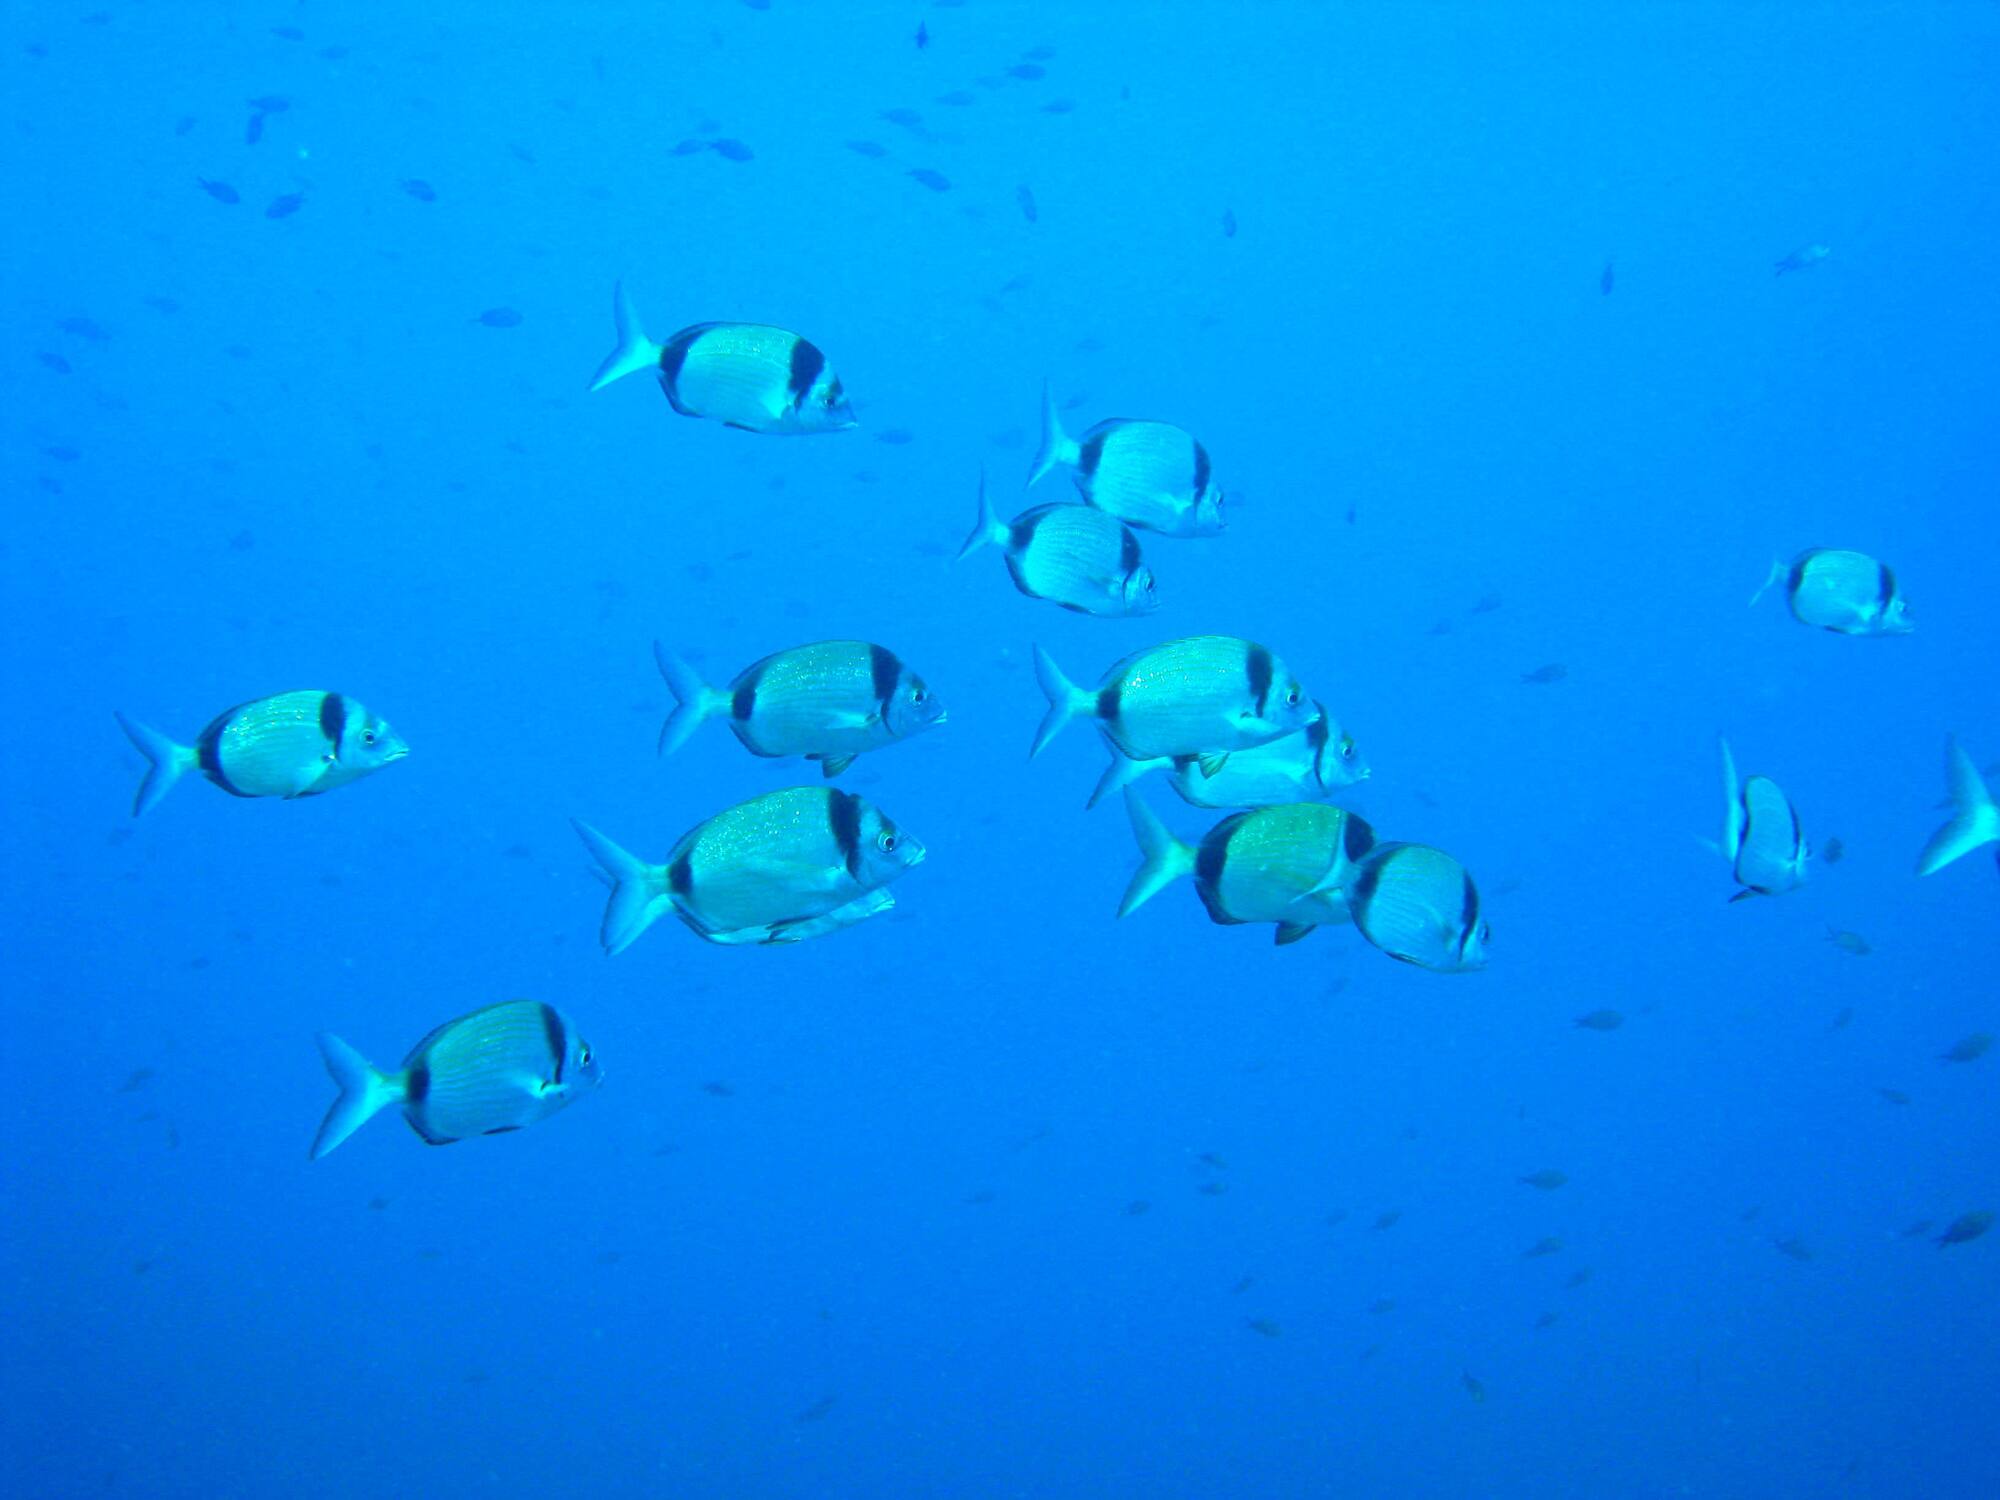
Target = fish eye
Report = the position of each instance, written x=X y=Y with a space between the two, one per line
x=918 y=693
x=1347 y=747
x=367 y=736
x=886 y=841
x=583 y=1054
x=1293 y=696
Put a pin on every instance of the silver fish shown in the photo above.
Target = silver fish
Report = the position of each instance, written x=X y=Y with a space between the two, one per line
x=1419 y=905
x=1975 y=819
x=1761 y=837
x=828 y=702
x=1290 y=865
x=288 y=745
x=1205 y=696
x=778 y=868
x=1073 y=555
x=1147 y=474
x=1799 y=259
x=500 y=1068
x=1849 y=593
x=1308 y=766
x=744 y=375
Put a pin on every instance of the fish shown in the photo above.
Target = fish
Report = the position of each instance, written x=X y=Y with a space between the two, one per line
x=1382 y=1306
x=1975 y=818
x=1600 y=1020
x=1289 y=865
x=1761 y=837
x=731 y=150
x=137 y=1079
x=931 y=178
x=221 y=192
x=495 y=1070
x=1072 y=555
x=1548 y=1320
x=1894 y=1096
x=1229 y=223
x=1204 y=695
x=1548 y=1244
x=1419 y=905
x=1389 y=1218
x=1848 y=942
x=816 y=1411
x=1965 y=1228
x=499 y=317
x=923 y=37
x=1577 y=1278
x=288 y=745
x=1968 y=1048
x=1555 y=671
x=1548 y=1179
x=1607 y=279
x=1848 y=593
x=1307 y=766
x=867 y=148
x=745 y=375
x=1137 y=1207
x=1025 y=197
x=1833 y=851
x=1794 y=1248
x=284 y=205
x=1028 y=72
x=1265 y=1326
x=780 y=868
x=253 y=130
x=53 y=361
x=1799 y=259
x=829 y=701
x=1152 y=475
x=1474 y=1386
x=270 y=104
x=420 y=190
x=1841 y=1017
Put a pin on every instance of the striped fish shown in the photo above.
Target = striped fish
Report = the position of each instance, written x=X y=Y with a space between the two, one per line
x=288 y=745
x=1203 y=696
x=1419 y=905
x=1761 y=836
x=500 y=1068
x=779 y=868
x=744 y=375
x=1147 y=474
x=1290 y=865
x=1849 y=593
x=1073 y=555
x=1314 y=763
x=828 y=702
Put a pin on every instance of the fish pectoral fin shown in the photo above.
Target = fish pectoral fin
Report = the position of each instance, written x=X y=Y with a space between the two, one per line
x=1743 y=895
x=855 y=719
x=1212 y=763
x=1291 y=932
x=833 y=765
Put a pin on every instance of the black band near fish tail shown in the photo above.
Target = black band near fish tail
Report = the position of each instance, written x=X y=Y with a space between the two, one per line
x=673 y=354
x=843 y=817
x=1356 y=838
x=1091 y=454
x=807 y=362
x=1796 y=579
x=1107 y=704
x=558 y=1039
x=883 y=672
x=743 y=702
x=208 y=753
x=417 y=1083
x=1258 y=666
x=680 y=878
x=333 y=720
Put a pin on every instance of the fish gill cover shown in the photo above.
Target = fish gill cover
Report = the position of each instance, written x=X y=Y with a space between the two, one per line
x=1467 y=369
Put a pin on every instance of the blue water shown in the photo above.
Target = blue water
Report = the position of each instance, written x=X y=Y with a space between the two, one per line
x=859 y=1217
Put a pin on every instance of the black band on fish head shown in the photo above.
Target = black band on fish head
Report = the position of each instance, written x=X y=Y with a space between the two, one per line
x=1468 y=915
x=1201 y=471
x=843 y=817
x=558 y=1039
x=884 y=671
x=807 y=362
x=1356 y=837
x=333 y=719
x=1258 y=667
x=1128 y=552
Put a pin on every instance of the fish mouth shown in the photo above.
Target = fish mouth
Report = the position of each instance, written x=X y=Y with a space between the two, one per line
x=394 y=753
x=941 y=717
x=914 y=853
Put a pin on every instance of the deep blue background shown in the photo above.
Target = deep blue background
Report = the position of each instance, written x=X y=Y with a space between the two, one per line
x=310 y=466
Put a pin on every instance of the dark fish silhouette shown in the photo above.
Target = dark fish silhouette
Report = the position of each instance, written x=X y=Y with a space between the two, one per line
x=1555 y=671
x=1025 y=196
x=284 y=205
x=1917 y=1230
x=137 y=1080
x=254 y=131
x=1848 y=942
x=1027 y=71
x=1474 y=1386
x=868 y=148
x=1577 y=1278
x=420 y=190
x=499 y=317
x=1388 y=1218
x=1966 y=1227
x=1794 y=1247
x=1606 y=280
x=1548 y=1179
x=1136 y=1207
x=923 y=36
x=731 y=150
x=1798 y=260
x=1601 y=1020
x=1968 y=1049
x=817 y=1410
x=1229 y=223
x=936 y=181
x=1264 y=1326
x=270 y=104
x=1832 y=851
x=221 y=192
x=1894 y=1096
x=1548 y=1244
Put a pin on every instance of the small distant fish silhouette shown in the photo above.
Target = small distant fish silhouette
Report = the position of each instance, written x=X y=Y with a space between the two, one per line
x=1555 y=671
x=817 y=1410
x=499 y=317
x=1388 y=1218
x=923 y=36
x=1607 y=279
x=719 y=1089
x=420 y=190
x=1264 y=1326
x=1577 y=1278
x=1798 y=260
x=1474 y=1386
x=1025 y=196
x=1486 y=605
x=1968 y=1049
x=221 y=192
x=1382 y=1305
x=1229 y=223
x=1841 y=1018
x=936 y=181
x=1548 y=1244
x=1966 y=1227
x=270 y=104
x=1894 y=1096
x=284 y=205
x=138 y=1079
x=254 y=131
x=1028 y=72
x=1832 y=851
x=1848 y=942
x=1243 y=1285
x=1136 y=1207
x=868 y=148
x=1547 y=1320
x=1548 y=1179
x=731 y=150
x=1794 y=1247
x=1601 y=1020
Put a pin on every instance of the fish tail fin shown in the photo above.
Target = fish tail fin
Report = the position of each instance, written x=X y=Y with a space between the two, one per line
x=695 y=701
x=1163 y=859
x=1777 y=573
x=1121 y=773
x=1057 y=449
x=364 y=1091
x=989 y=529
x=634 y=351
x=639 y=895
x=1732 y=797
x=1975 y=820
x=167 y=761
x=1066 y=700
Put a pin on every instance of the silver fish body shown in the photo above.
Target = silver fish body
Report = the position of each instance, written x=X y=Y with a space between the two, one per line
x=1849 y=593
x=829 y=701
x=298 y=744
x=1308 y=765
x=1148 y=474
x=1761 y=836
x=1205 y=696
x=745 y=375
x=1419 y=905
x=778 y=868
x=496 y=1070
x=1073 y=555
x=1290 y=865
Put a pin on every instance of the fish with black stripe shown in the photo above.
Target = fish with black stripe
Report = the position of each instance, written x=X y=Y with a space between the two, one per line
x=1761 y=837
x=744 y=375
x=1153 y=475
x=1419 y=906
x=1074 y=555
x=1291 y=865
x=828 y=702
x=1204 y=696
x=1849 y=593
x=288 y=745
x=778 y=868
x=496 y=1070
x=1308 y=766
